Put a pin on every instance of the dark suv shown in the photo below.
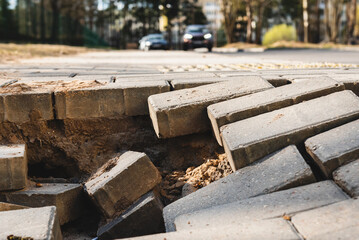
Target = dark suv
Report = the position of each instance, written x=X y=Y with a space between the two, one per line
x=197 y=36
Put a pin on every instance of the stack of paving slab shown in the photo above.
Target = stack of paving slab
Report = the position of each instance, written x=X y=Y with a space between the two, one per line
x=124 y=191
x=54 y=205
x=285 y=145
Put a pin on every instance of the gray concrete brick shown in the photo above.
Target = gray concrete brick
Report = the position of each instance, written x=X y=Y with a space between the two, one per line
x=115 y=189
x=347 y=177
x=248 y=106
x=281 y=170
x=253 y=230
x=68 y=199
x=26 y=106
x=179 y=84
x=336 y=221
x=183 y=112
x=104 y=101
x=271 y=205
x=335 y=147
x=248 y=140
x=137 y=93
x=36 y=223
x=142 y=218
x=13 y=167
x=350 y=81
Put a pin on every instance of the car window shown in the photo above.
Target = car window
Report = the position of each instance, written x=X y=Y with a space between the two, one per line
x=151 y=38
x=197 y=29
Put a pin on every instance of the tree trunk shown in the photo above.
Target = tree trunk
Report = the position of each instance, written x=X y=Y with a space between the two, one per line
x=261 y=8
x=249 y=15
x=42 y=21
x=351 y=19
x=305 y=20
x=55 y=5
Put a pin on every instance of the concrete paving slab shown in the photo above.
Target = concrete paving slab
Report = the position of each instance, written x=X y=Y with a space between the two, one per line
x=38 y=106
x=68 y=199
x=35 y=223
x=335 y=147
x=120 y=182
x=347 y=177
x=13 y=167
x=281 y=170
x=142 y=218
x=278 y=204
x=336 y=221
x=183 y=112
x=248 y=140
x=248 y=106
x=254 y=230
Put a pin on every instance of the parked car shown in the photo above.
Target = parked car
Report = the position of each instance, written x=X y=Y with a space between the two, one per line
x=153 y=41
x=197 y=36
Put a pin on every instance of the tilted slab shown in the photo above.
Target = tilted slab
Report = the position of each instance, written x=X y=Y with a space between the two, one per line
x=68 y=199
x=21 y=107
x=248 y=140
x=336 y=221
x=35 y=223
x=253 y=230
x=266 y=206
x=335 y=147
x=183 y=112
x=13 y=167
x=111 y=100
x=115 y=189
x=142 y=218
x=347 y=177
x=350 y=81
x=281 y=170
x=248 y=106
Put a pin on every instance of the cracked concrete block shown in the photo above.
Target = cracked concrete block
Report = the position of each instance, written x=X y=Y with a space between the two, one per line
x=336 y=221
x=142 y=218
x=26 y=106
x=183 y=112
x=35 y=223
x=68 y=199
x=13 y=167
x=334 y=148
x=255 y=104
x=251 y=230
x=347 y=177
x=277 y=204
x=281 y=170
x=248 y=140
x=123 y=180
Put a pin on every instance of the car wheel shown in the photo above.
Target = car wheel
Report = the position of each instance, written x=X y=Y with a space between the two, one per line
x=185 y=47
x=209 y=49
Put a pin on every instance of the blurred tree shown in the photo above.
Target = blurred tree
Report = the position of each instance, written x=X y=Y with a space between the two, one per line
x=333 y=13
x=351 y=13
x=229 y=9
x=5 y=19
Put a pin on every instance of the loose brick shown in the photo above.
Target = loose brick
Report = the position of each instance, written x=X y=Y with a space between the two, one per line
x=68 y=199
x=257 y=229
x=26 y=106
x=266 y=206
x=142 y=218
x=13 y=167
x=347 y=177
x=183 y=112
x=281 y=170
x=179 y=84
x=336 y=221
x=36 y=223
x=114 y=190
x=248 y=140
x=248 y=106
x=335 y=147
